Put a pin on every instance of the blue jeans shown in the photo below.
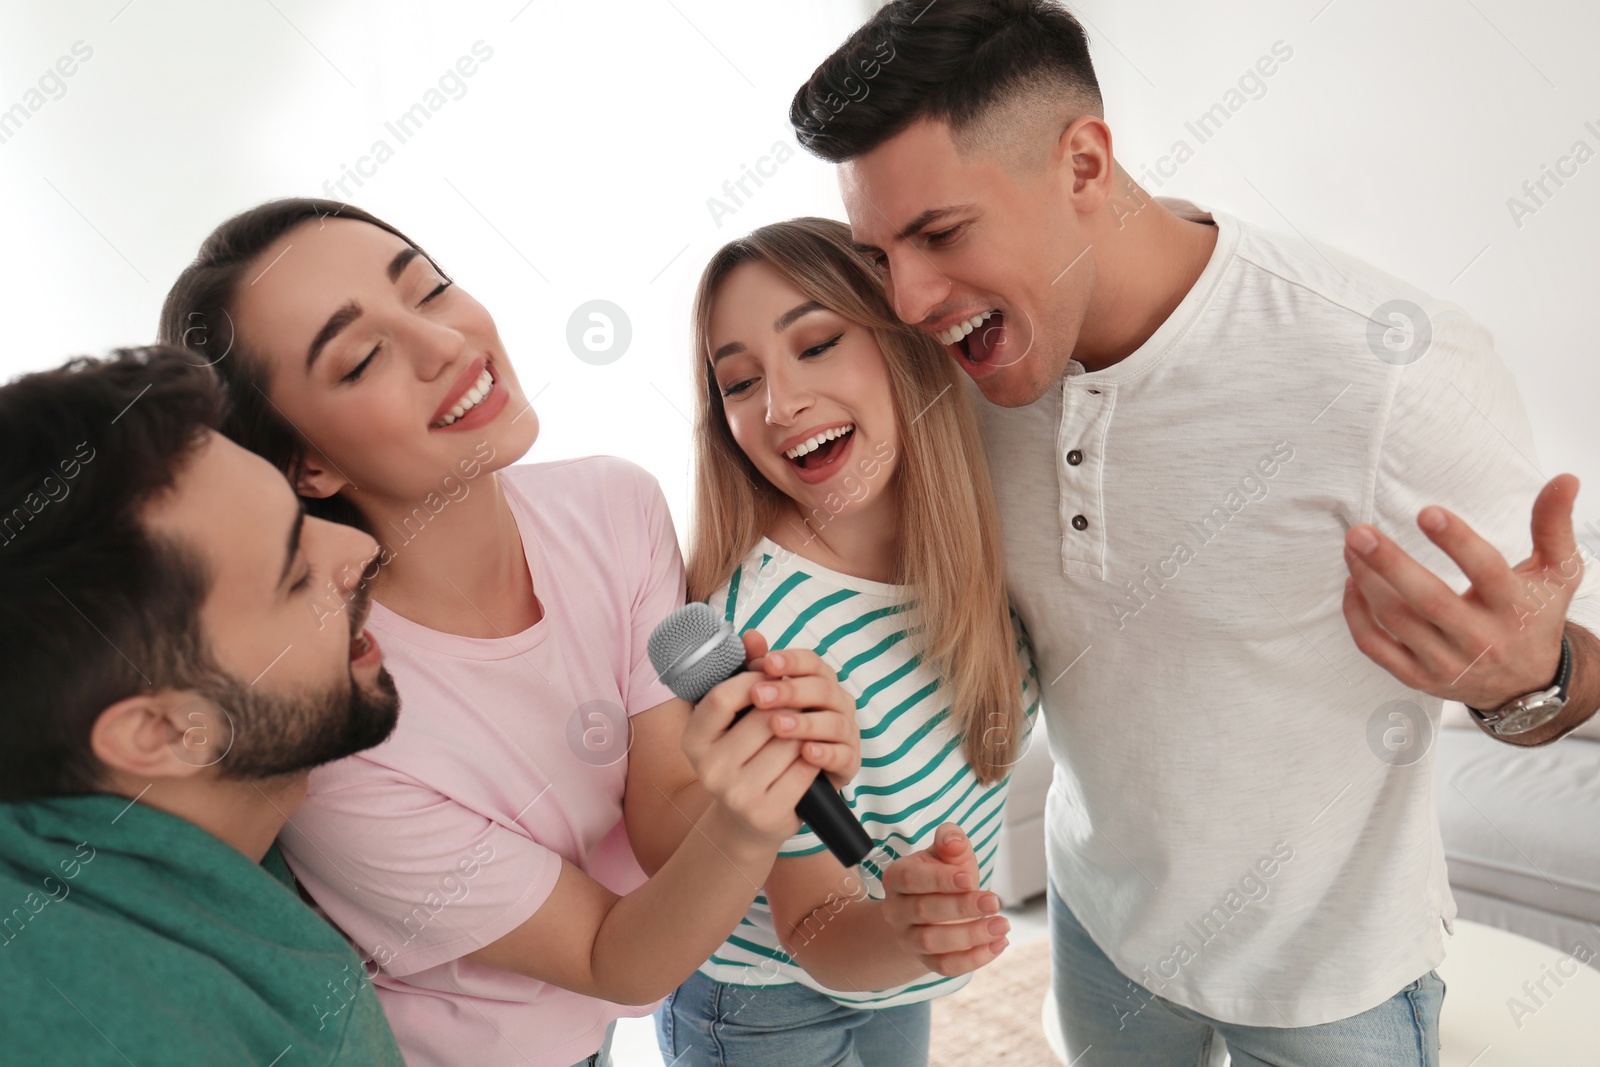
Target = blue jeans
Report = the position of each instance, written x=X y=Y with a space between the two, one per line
x=1090 y=993
x=712 y=1024
x=603 y=1057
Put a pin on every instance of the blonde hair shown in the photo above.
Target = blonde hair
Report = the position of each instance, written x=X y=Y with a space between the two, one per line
x=949 y=544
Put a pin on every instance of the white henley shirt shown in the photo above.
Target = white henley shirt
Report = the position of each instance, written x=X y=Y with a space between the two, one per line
x=1242 y=814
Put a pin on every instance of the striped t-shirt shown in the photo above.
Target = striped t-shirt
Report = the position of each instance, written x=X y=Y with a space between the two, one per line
x=914 y=775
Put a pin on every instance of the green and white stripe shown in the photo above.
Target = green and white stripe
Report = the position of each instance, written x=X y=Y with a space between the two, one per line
x=914 y=775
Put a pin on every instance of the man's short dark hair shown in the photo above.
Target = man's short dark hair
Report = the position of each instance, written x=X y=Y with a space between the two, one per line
x=93 y=607
x=947 y=60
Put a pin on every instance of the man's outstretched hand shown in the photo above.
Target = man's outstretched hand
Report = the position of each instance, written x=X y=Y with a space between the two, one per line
x=1497 y=641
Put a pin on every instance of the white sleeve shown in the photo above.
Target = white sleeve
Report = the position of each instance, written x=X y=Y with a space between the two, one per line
x=1457 y=435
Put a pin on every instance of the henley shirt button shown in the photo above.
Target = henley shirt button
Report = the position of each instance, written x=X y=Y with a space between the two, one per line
x=1074 y=457
x=1079 y=522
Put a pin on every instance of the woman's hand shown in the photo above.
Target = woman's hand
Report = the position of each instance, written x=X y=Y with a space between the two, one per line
x=759 y=767
x=933 y=905
x=800 y=679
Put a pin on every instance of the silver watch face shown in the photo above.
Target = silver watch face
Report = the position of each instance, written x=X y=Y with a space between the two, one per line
x=1529 y=714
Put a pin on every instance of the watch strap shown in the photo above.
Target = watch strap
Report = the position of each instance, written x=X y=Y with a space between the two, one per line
x=1555 y=693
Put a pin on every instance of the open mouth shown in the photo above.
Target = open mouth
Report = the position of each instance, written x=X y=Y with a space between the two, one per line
x=477 y=394
x=818 y=453
x=362 y=644
x=979 y=339
x=363 y=648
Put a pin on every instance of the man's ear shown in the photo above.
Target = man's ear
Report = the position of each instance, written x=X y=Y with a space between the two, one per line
x=165 y=734
x=317 y=478
x=1084 y=152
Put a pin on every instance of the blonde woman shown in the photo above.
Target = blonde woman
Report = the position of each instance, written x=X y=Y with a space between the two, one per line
x=842 y=502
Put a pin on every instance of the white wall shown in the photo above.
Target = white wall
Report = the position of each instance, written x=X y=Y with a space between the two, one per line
x=1397 y=130
x=578 y=163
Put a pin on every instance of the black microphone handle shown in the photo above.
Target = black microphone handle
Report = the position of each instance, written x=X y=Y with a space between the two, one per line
x=831 y=819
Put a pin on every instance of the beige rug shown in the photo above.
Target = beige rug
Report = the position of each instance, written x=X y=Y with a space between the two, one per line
x=995 y=1019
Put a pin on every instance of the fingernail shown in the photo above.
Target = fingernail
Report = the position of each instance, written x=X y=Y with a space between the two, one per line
x=963 y=880
x=998 y=926
x=990 y=902
x=1001 y=946
x=766 y=692
x=776 y=659
x=1363 y=541
x=1433 y=520
x=785 y=722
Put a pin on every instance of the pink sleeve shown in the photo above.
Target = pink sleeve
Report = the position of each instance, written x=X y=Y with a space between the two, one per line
x=412 y=877
x=659 y=593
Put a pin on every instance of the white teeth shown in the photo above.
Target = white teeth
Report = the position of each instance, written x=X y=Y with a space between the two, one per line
x=961 y=329
x=470 y=399
x=811 y=444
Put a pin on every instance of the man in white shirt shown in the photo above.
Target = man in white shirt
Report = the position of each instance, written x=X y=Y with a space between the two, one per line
x=1189 y=420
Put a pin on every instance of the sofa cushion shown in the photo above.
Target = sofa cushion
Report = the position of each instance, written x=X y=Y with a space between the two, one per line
x=1031 y=775
x=1520 y=823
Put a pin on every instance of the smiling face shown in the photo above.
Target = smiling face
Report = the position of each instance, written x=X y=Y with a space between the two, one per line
x=989 y=257
x=805 y=391
x=393 y=374
x=300 y=680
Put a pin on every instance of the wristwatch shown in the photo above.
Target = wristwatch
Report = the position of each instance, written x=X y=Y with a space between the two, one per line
x=1533 y=710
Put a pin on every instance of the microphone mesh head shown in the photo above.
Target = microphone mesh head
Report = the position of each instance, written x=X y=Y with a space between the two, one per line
x=682 y=634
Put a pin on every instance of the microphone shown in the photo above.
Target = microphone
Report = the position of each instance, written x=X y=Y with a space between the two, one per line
x=694 y=650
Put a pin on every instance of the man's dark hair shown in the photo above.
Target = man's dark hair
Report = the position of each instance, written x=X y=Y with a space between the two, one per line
x=197 y=315
x=948 y=60
x=93 y=607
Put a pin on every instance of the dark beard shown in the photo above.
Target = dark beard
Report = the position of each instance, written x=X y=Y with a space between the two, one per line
x=271 y=734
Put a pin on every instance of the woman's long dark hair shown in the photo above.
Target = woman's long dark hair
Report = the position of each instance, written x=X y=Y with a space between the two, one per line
x=197 y=315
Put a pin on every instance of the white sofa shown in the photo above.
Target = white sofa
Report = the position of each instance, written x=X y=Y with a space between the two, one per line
x=1521 y=831
x=1019 y=871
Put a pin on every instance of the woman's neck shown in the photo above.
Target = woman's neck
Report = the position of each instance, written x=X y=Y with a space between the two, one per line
x=862 y=540
x=460 y=570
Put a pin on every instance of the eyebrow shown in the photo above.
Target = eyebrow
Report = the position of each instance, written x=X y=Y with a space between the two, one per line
x=918 y=224
x=335 y=325
x=293 y=548
x=351 y=311
x=783 y=322
x=397 y=265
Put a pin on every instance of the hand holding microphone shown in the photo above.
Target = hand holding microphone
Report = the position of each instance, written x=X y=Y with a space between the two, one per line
x=742 y=755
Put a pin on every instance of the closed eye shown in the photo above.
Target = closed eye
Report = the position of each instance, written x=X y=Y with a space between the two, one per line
x=823 y=347
x=441 y=287
x=360 y=368
x=943 y=236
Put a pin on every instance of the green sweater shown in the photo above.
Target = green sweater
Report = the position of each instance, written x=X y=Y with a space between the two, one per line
x=128 y=935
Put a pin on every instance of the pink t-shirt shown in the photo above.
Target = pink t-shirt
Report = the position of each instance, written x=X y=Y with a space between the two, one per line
x=510 y=756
